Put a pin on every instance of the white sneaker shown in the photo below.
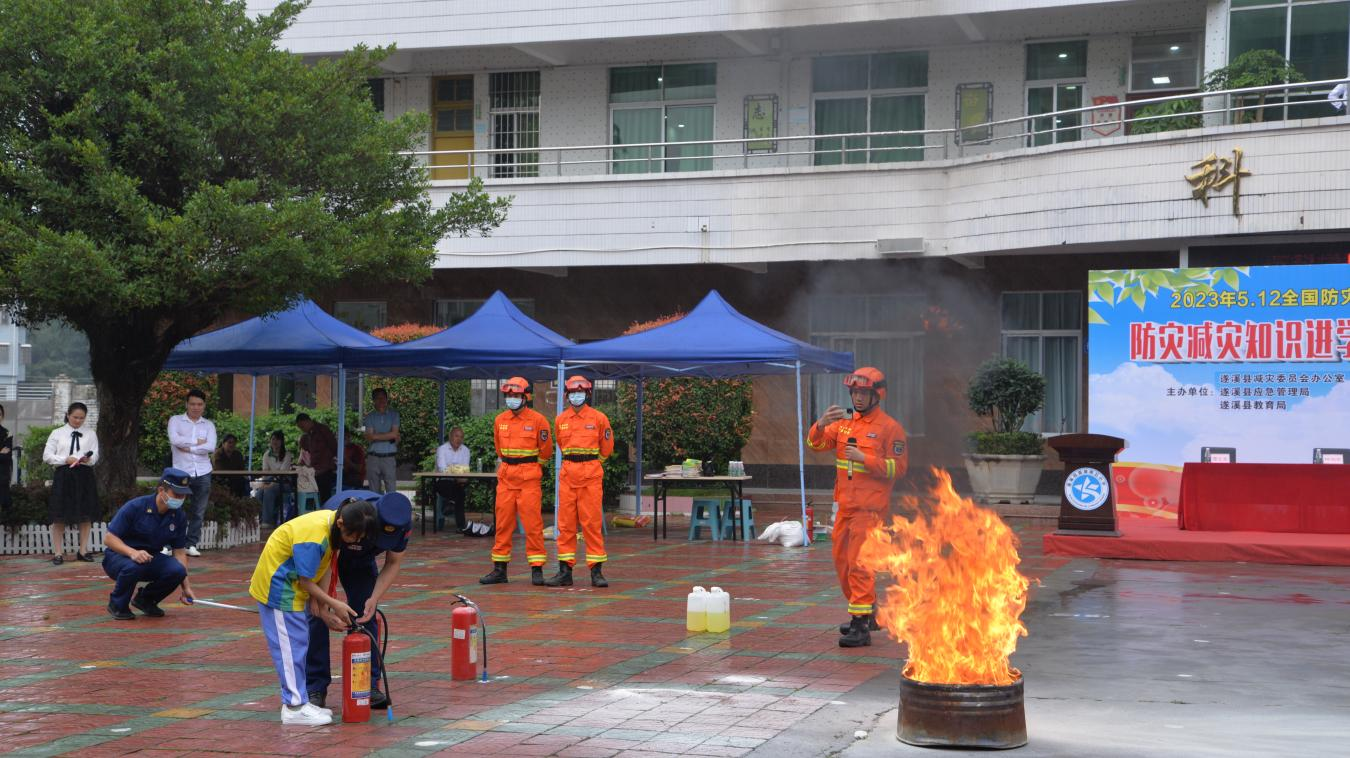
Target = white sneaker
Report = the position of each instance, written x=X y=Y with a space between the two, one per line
x=306 y=715
x=166 y=551
x=194 y=552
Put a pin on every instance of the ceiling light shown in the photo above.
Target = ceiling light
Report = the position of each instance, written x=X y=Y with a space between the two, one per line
x=1062 y=56
x=1162 y=80
x=679 y=126
x=1175 y=48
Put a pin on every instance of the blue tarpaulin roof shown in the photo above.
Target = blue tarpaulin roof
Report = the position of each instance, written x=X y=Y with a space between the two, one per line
x=302 y=340
x=497 y=340
x=712 y=340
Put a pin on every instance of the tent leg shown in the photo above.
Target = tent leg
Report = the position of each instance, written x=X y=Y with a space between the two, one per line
x=801 y=454
x=637 y=509
x=342 y=424
x=440 y=408
x=557 y=453
x=252 y=413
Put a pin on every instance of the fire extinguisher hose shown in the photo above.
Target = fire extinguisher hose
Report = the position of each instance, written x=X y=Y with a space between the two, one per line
x=380 y=651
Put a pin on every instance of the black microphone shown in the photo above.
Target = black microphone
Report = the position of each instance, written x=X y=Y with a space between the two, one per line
x=851 y=441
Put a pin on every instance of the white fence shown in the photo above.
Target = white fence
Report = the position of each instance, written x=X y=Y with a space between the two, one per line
x=36 y=539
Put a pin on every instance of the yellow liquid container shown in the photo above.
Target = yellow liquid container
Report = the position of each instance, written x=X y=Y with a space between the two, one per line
x=696 y=610
x=719 y=611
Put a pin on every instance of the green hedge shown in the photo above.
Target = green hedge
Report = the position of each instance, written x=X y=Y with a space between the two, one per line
x=34 y=444
x=707 y=419
x=1007 y=443
x=29 y=505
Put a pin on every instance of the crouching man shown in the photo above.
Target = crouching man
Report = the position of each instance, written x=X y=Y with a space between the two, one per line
x=143 y=527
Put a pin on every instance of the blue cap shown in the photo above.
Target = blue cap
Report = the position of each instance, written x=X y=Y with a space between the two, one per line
x=395 y=512
x=176 y=480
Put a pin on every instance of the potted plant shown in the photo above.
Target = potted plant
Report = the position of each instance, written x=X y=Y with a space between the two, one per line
x=1005 y=464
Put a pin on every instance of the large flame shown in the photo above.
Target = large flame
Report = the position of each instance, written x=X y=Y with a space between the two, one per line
x=956 y=595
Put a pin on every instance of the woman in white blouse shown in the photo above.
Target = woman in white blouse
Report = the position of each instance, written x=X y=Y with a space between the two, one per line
x=72 y=450
x=273 y=489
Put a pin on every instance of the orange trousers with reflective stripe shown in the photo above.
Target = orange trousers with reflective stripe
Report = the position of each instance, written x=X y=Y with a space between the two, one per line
x=581 y=500
x=856 y=581
x=524 y=503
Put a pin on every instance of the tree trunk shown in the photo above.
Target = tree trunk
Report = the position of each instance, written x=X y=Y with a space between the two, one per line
x=124 y=359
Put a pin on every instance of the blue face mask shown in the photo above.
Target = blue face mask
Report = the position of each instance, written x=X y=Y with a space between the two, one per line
x=514 y=403
x=577 y=399
x=175 y=503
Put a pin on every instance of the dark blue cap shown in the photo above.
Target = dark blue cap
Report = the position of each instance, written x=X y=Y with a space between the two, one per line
x=176 y=480
x=394 y=512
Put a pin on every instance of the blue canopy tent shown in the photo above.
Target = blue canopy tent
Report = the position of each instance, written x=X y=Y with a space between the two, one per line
x=301 y=340
x=713 y=340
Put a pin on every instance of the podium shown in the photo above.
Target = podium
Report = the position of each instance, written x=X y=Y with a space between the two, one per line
x=1087 y=503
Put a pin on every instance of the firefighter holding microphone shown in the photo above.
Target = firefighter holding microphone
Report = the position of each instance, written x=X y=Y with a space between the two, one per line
x=870 y=455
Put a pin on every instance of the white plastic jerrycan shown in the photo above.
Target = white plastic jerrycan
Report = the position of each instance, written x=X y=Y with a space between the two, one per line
x=719 y=610
x=696 y=610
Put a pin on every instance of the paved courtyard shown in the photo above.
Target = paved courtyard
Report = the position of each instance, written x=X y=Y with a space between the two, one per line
x=1124 y=659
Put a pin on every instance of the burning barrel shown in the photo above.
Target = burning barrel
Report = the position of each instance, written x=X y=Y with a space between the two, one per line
x=955 y=599
x=962 y=715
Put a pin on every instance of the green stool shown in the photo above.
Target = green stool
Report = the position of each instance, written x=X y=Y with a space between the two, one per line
x=303 y=501
x=746 y=519
x=705 y=512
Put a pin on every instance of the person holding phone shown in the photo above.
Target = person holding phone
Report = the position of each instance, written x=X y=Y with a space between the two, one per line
x=72 y=451
x=870 y=455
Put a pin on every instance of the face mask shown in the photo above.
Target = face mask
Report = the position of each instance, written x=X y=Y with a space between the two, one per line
x=175 y=503
x=514 y=403
x=577 y=398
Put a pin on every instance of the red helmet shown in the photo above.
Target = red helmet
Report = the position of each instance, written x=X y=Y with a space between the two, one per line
x=516 y=385
x=577 y=382
x=868 y=378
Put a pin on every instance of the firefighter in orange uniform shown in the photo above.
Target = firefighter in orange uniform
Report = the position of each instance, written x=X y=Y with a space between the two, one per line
x=586 y=439
x=523 y=445
x=870 y=455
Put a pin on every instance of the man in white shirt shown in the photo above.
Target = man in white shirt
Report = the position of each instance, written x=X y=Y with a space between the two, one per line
x=193 y=439
x=453 y=453
x=1337 y=96
x=382 y=438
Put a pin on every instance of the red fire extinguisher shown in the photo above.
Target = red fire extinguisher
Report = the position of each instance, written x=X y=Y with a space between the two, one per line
x=356 y=677
x=810 y=522
x=463 y=644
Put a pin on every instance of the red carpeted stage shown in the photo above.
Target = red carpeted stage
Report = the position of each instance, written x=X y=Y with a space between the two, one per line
x=1157 y=539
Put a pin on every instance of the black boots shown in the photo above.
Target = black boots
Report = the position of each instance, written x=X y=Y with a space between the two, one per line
x=597 y=578
x=497 y=575
x=537 y=576
x=857 y=635
x=564 y=576
x=872 y=625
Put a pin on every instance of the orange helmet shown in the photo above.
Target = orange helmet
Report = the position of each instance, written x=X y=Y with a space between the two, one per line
x=516 y=385
x=868 y=378
x=577 y=382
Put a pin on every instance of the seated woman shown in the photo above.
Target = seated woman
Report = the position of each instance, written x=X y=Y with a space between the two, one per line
x=272 y=490
x=230 y=458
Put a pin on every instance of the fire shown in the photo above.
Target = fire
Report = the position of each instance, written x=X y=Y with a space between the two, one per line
x=956 y=596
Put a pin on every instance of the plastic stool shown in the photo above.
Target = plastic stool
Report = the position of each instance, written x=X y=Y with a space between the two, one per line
x=705 y=512
x=746 y=519
x=304 y=498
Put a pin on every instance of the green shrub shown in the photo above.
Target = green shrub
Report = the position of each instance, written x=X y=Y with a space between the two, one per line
x=1007 y=443
x=30 y=505
x=1006 y=392
x=34 y=443
x=1167 y=117
x=707 y=419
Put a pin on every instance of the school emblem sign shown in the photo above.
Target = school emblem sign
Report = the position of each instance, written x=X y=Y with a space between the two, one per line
x=1106 y=121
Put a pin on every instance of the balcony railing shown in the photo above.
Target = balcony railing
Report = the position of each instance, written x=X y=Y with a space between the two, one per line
x=1279 y=102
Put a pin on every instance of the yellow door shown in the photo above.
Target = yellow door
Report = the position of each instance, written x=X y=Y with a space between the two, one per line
x=452 y=125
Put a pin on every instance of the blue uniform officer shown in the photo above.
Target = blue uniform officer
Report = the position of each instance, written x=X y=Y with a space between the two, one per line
x=143 y=527
x=364 y=584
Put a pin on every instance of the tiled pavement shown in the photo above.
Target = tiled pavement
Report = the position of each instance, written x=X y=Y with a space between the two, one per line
x=574 y=672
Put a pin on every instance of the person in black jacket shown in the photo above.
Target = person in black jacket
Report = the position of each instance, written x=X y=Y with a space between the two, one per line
x=6 y=461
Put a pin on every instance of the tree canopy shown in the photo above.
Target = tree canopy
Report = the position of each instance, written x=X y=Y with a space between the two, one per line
x=164 y=164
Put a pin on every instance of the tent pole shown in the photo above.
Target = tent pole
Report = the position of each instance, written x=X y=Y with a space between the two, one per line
x=637 y=508
x=342 y=425
x=441 y=410
x=801 y=454
x=557 y=454
x=252 y=413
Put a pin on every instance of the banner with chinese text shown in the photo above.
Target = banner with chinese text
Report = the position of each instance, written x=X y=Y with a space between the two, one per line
x=1254 y=358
